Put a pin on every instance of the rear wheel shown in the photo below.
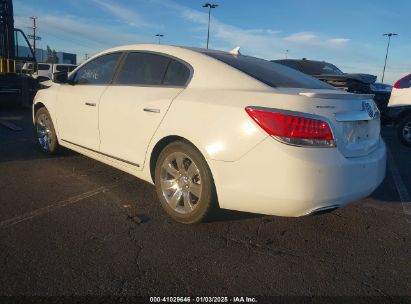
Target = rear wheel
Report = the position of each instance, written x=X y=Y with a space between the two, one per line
x=184 y=183
x=404 y=130
x=46 y=134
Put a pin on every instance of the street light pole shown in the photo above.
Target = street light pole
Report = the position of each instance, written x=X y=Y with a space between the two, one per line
x=210 y=6
x=386 y=54
x=159 y=37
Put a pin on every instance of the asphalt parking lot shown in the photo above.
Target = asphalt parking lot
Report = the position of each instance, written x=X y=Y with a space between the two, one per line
x=72 y=226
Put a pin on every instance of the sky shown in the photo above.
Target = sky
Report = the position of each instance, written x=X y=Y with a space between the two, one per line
x=346 y=33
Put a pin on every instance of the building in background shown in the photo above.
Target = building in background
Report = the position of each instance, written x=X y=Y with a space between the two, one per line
x=42 y=55
x=67 y=58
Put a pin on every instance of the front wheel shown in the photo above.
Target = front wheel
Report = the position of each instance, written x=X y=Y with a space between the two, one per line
x=46 y=134
x=404 y=131
x=184 y=183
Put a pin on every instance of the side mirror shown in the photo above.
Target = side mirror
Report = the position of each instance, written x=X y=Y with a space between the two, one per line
x=60 y=77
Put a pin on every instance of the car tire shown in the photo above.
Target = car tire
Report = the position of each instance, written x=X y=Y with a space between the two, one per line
x=46 y=134
x=404 y=131
x=184 y=183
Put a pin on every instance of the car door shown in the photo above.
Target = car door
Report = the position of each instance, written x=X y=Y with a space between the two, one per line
x=132 y=108
x=78 y=101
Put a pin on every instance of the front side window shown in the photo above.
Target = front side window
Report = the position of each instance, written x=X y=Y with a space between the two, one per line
x=143 y=69
x=99 y=71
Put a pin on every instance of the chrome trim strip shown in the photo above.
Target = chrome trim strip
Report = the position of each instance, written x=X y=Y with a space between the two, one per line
x=323 y=210
x=104 y=154
x=353 y=116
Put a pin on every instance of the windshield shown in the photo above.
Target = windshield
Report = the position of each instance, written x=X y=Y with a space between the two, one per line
x=319 y=68
x=270 y=73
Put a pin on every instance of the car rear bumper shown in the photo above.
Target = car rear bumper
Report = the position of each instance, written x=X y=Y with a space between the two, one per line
x=283 y=180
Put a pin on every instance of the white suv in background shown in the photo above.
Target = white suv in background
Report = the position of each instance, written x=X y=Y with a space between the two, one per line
x=400 y=109
x=45 y=71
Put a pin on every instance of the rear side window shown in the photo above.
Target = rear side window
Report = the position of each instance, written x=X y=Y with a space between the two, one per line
x=43 y=67
x=143 y=69
x=270 y=73
x=177 y=74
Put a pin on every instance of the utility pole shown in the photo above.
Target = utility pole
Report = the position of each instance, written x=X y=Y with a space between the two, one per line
x=389 y=35
x=286 y=54
x=34 y=35
x=210 y=6
x=159 y=37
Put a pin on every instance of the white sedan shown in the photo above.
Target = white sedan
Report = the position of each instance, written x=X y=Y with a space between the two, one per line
x=216 y=129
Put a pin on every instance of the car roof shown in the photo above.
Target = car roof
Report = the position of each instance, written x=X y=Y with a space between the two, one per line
x=208 y=72
x=299 y=60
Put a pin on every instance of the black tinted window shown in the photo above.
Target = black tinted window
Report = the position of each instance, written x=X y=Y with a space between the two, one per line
x=177 y=74
x=143 y=69
x=43 y=67
x=270 y=73
x=405 y=82
x=98 y=71
x=319 y=68
x=290 y=63
x=62 y=68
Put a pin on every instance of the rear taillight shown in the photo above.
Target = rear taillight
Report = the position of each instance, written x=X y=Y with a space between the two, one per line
x=293 y=129
x=397 y=85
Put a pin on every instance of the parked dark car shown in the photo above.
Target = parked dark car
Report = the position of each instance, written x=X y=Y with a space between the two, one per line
x=354 y=83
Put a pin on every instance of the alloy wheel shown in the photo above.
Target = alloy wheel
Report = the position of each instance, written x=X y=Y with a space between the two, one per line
x=44 y=132
x=180 y=181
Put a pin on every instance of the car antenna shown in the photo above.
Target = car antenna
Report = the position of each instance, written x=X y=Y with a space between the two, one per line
x=235 y=51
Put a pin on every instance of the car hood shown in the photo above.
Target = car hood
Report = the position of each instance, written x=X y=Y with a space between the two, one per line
x=364 y=78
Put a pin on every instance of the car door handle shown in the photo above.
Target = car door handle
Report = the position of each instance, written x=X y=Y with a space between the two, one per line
x=151 y=110
x=90 y=104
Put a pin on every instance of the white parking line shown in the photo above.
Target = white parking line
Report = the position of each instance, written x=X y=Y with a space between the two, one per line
x=401 y=189
x=69 y=201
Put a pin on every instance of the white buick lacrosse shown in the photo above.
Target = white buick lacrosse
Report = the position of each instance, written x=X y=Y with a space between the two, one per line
x=216 y=129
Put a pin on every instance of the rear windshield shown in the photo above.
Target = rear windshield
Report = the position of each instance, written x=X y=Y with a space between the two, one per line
x=270 y=73
x=319 y=68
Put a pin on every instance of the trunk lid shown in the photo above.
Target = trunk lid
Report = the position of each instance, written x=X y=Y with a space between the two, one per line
x=354 y=119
